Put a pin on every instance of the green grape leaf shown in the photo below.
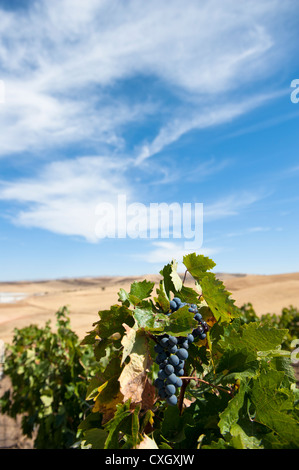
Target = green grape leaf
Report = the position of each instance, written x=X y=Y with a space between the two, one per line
x=218 y=298
x=230 y=415
x=220 y=444
x=92 y=420
x=100 y=348
x=274 y=407
x=138 y=291
x=111 y=321
x=95 y=438
x=284 y=364
x=135 y=427
x=174 y=424
x=254 y=337
x=189 y=295
x=237 y=364
x=241 y=440
x=120 y=420
x=197 y=265
x=144 y=315
x=142 y=290
x=171 y=280
x=123 y=297
x=92 y=389
x=179 y=323
x=90 y=338
x=162 y=299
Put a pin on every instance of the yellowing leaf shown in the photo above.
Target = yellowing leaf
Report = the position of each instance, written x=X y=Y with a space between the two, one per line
x=133 y=378
x=109 y=394
x=127 y=341
x=100 y=389
x=107 y=409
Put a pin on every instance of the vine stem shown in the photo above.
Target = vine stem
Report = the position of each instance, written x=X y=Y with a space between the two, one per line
x=181 y=396
x=208 y=383
x=185 y=275
x=152 y=337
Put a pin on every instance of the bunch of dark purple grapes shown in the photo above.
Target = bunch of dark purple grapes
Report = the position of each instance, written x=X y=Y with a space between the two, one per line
x=172 y=353
x=201 y=331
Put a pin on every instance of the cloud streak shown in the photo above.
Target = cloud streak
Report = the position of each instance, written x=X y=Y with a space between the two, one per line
x=69 y=68
x=63 y=198
x=61 y=60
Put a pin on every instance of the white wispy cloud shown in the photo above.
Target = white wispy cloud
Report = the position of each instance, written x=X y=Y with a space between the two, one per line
x=232 y=204
x=60 y=60
x=165 y=251
x=64 y=196
x=209 y=116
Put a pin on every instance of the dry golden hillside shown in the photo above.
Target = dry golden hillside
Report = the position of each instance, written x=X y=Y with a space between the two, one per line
x=86 y=296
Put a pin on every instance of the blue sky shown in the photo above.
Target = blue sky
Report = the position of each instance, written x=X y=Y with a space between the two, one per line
x=156 y=101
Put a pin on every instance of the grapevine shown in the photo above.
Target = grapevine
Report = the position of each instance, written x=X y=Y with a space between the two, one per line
x=183 y=367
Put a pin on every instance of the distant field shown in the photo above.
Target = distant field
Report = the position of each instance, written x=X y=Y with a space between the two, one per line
x=86 y=296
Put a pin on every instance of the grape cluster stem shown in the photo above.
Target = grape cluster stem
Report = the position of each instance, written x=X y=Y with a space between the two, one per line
x=207 y=383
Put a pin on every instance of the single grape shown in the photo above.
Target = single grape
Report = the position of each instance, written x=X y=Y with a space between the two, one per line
x=205 y=326
x=170 y=389
x=163 y=363
x=182 y=354
x=185 y=344
x=180 y=372
x=158 y=348
x=172 y=340
x=169 y=369
x=193 y=306
x=177 y=300
x=202 y=336
x=162 y=393
x=172 y=400
x=179 y=382
x=174 y=360
x=171 y=379
x=159 y=383
x=173 y=305
x=190 y=338
x=173 y=349
x=162 y=374
x=161 y=357
x=195 y=333
x=198 y=317
x=181 y=364
x=164 y=342
x=192 y=310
